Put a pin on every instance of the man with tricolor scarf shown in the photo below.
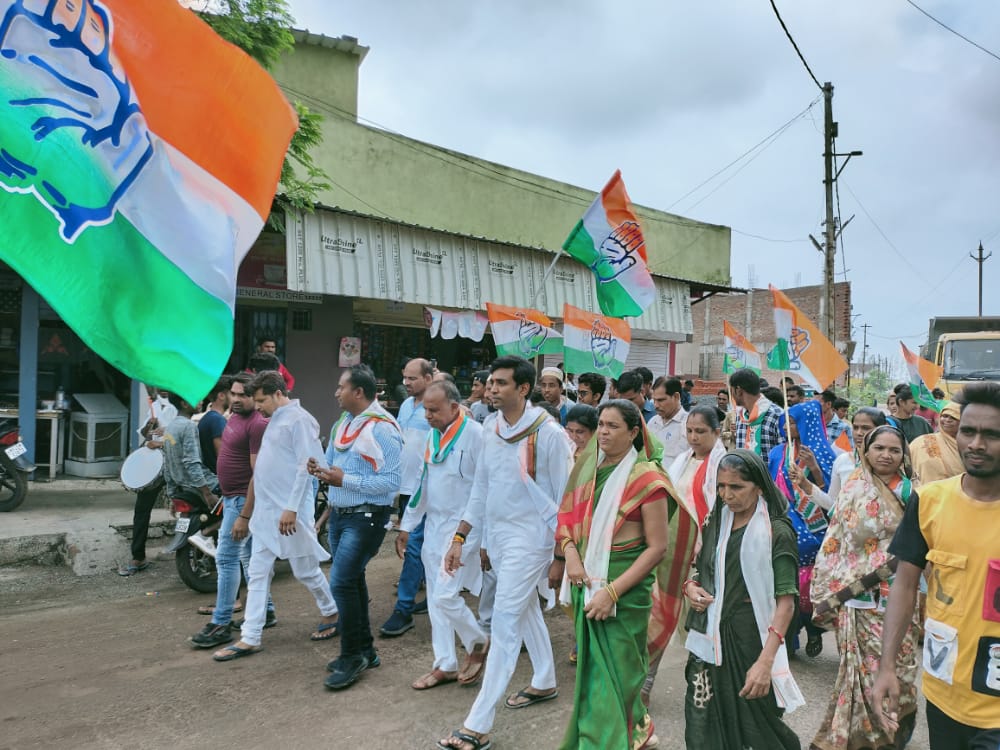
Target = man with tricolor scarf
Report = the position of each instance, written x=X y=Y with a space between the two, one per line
x=520 y=477
x=449 y=457
x=364 y=459
x=758 y=427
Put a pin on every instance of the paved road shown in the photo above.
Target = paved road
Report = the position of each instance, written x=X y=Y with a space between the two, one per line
x=103 y=662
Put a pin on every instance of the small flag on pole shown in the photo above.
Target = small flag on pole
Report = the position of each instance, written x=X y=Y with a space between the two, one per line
x=801 y=348
x=522 y=331
x=594 y=343
x=923 y=377
x=739 y=352
x=608 y=239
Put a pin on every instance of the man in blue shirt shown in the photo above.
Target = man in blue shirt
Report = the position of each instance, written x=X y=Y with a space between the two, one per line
x=364 y=463
x=213 y=422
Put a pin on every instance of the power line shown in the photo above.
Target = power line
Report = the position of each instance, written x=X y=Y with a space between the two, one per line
x=797 y=50
x=943 y=25
x=766 y=239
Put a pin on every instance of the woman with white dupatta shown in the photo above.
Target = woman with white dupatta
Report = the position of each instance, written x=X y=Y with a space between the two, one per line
x=742 y=599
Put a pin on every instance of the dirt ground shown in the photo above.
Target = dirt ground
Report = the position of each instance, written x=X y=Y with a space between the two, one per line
x=104 y=662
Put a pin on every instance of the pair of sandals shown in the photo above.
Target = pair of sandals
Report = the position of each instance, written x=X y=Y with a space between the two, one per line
x=468 y=675
x=481 y=742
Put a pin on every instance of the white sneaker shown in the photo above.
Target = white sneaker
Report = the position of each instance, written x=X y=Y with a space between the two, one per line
x=205 y=543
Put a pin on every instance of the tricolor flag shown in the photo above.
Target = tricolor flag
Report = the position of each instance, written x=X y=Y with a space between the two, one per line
x=739 y=352
x=139 y=155
x=924 y=376
x=522 y=331
x=594 y=343
x=801 y=348
x=609 y=240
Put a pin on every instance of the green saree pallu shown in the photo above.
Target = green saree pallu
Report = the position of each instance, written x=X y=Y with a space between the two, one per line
x=608 y=713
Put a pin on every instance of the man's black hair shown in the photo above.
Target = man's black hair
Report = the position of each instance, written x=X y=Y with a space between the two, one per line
x=262 y=362
x=264 y=338
x=426 y=368
x=746 y=379
x=796 y=389
x=630 y=381
x=984 y=393
x=904 y=394
x=268 y=382
x=645 y=373
x=774 y=395
x=596 y=382
x=689 y=383
x=671 y=385
x=524 y=371
x=841 y=403
x=828 y=396
x=481 y=376
x=361 y=376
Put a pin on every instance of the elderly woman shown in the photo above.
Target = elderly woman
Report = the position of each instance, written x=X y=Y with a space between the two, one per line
x=742 y=598
x=615 y=524
x=850 y=584
x=935 y=456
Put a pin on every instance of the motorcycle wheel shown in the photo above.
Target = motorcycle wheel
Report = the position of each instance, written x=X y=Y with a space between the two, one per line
x=13 y=484
x=196 y=569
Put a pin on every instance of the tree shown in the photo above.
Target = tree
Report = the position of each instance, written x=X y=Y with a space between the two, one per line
x=262 y=29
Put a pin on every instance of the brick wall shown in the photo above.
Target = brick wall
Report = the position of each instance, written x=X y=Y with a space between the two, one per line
x=753 y=315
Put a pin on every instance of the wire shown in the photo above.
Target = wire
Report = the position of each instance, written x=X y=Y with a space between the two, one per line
x=943 y=25
x=797 y=50
x=766 y=138
x=766 y=239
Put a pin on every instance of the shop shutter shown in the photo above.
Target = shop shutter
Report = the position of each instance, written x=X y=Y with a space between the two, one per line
x=649 y=353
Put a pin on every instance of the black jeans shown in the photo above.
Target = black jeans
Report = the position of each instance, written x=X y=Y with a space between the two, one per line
x=354 y=540
x=947 y=734
x=144 y=502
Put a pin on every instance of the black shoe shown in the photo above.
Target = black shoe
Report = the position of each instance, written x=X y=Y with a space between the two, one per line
x=371 y=655
x=397 y=624
x=346 y=671
x=420 y=608
x=814 y=646
x=212 y=635
x=269 y=622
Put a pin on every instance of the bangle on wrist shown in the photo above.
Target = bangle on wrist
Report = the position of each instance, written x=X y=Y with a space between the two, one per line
x=245 y=518
x=781 y=638
x=560 y=558
x=565 y=543
x=460 y=538
x=612 y=592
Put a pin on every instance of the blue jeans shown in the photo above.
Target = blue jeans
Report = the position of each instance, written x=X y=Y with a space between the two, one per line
x=354 y=540
x=412 y=574
x=228 y=557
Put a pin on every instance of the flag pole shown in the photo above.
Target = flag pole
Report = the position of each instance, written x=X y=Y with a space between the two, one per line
x=788 y=431
x=545 y=276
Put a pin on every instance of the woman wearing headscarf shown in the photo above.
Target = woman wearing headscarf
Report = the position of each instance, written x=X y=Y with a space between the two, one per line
x=850 y=585
x=742 y=598
x=808 y=450
x=618 y=525
x=935 y=456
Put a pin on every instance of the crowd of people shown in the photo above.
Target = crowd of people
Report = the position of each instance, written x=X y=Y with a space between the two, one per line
x=748 y=523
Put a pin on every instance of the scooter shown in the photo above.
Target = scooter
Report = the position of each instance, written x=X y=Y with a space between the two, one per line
x=195 y=567
x=14 y=467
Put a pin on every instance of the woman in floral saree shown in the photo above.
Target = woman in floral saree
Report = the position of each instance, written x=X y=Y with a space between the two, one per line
x=851 y=581
x=617 y=521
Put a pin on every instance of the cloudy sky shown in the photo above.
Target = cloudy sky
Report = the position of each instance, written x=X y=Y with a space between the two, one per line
x=671 y=92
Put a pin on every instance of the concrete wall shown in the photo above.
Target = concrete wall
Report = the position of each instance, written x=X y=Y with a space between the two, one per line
x=384 y=174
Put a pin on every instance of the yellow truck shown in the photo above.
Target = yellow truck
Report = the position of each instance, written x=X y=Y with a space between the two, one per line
x=968 y=349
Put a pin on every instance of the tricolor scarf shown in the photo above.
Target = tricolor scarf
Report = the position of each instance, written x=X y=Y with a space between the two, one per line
x=358 y=432
x=531 y=446
x=439 y=447
x=754 y=420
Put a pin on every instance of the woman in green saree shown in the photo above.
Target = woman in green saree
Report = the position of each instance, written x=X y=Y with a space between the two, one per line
x=742 y=598
x=613 y=532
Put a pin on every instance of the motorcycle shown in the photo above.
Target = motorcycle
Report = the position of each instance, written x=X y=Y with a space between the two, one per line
x=195 y=567
x=14 y=467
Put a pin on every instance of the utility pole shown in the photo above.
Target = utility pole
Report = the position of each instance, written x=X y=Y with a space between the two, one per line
x=980 y=260
x=826 y=311
x=864 y=351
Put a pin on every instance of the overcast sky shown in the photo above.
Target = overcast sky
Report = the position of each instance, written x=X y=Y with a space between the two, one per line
x=671 y=92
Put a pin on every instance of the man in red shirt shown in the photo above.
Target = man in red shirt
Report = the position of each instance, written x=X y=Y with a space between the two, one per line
x=267 y=345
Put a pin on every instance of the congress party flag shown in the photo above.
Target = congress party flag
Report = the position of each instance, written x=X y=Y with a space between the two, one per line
x=594 y=342
x=801 y=348
x=608 y=239
x=739 y=352
x=522 y=331
x=139 y=155
x=923 y=378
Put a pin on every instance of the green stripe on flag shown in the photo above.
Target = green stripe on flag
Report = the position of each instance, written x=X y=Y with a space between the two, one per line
x=777 y=358
x=613 y=298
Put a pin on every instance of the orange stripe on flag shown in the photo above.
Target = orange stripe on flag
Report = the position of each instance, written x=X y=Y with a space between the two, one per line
x=204 y=96
x=929 y=372
x=843 y=442
x=618 y=207
x=576 y=318
x=499 y=313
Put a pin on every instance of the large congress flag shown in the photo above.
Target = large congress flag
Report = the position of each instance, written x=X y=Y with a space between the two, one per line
x=139 y=154
x=608 y=239
x=522 y=331
x=801 y=348
x=594 y=342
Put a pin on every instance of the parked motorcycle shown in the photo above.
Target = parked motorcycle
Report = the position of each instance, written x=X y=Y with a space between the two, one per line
x=14 y=467
x=194 y=567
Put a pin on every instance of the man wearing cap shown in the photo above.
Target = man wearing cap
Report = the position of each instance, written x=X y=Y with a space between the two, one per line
x=551 y=383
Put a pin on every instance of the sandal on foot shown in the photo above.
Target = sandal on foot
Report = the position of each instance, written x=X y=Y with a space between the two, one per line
x=530 y=698
x=325 y=631
x=209 y=609
x=234 y=652
x=475 y=743
x=432 y=679
x=475 y=661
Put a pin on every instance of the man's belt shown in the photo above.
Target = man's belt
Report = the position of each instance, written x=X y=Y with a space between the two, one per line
x=363 y=508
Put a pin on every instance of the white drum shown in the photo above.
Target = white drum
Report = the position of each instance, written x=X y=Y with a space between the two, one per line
x=142 y=469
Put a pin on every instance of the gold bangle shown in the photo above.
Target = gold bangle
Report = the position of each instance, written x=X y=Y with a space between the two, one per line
x=458 y=538
x=565 y=544
x=612 y=592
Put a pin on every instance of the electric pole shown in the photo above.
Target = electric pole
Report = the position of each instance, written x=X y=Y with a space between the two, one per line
x=980 y=260
x=864 y=352
x=826 y=311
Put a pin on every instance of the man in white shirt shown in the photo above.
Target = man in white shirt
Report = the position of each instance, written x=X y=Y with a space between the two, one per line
x=670 y=423
x=450 y=455
x=515 y=499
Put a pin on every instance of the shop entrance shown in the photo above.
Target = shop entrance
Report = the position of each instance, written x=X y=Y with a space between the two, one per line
x=253 y=324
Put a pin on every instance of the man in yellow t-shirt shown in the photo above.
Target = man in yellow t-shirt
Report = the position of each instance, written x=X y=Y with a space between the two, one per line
x=955 y=526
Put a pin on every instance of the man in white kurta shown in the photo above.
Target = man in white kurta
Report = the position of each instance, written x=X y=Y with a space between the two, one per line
x=521 y=474
x=449 y=460
x=281 y=520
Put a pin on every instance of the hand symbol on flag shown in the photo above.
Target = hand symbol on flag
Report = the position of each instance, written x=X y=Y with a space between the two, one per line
x=602 y=345
x=72 y=132
x=617 y=253
x=530 y=336
x=797 y=346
